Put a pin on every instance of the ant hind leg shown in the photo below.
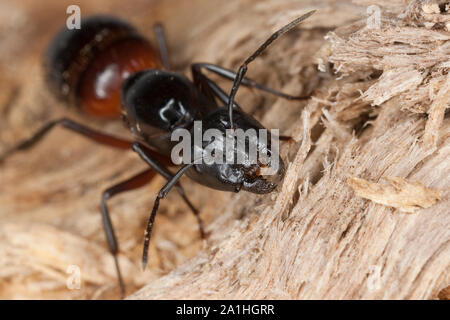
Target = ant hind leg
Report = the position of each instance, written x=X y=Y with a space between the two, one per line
x=162 y=45
x=94 y=135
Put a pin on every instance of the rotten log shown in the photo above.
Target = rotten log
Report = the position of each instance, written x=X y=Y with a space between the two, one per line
x=333 y=229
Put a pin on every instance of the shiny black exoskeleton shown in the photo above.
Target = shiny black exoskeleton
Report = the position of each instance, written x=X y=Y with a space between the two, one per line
x=156 y=102
x=108 y=58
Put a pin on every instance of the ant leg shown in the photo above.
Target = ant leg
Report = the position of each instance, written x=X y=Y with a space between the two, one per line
x=143 y=152
x=209 y=87
x=243 y=68
x=132 y=183
x=162 y=45
x=91 y=134
x=286 y=138
x=230 y=75
x=161 y=195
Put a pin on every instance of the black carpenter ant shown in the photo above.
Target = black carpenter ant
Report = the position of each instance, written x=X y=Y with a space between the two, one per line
x=108 y=70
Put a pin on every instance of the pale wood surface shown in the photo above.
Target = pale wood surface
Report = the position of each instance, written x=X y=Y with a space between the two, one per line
x=312 y=238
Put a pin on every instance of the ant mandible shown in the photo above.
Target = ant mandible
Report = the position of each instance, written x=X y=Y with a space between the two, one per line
x=108 y=70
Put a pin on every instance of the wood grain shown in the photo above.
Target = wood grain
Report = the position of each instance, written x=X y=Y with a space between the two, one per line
x=313 y=238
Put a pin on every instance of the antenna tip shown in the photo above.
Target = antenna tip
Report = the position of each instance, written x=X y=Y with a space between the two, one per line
x=303 y=17
x=310 y=13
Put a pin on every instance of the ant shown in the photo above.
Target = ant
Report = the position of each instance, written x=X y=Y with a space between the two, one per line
x=108 y=70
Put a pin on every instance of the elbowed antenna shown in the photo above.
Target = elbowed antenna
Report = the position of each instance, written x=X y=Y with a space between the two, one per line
x=243 y=68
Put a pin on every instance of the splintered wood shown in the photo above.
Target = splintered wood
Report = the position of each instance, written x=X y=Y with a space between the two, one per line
x=412 y=48
x=372 y=143
x=436 y=113
x=398 y=193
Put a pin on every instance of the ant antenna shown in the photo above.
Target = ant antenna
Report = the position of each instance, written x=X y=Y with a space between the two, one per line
x=243 y=67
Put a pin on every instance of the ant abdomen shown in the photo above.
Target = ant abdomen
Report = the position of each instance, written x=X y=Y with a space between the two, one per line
x=86 y=67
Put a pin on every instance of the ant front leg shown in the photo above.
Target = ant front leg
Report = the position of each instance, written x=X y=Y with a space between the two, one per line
x=94 y=135
x=161 y=195
x=146 y=155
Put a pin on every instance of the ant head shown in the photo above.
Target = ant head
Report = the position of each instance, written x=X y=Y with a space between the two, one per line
x=155 y=102
x=240 y=158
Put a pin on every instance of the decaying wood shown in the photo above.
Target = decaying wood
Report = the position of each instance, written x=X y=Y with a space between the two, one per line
x=333 y=229
x=405 y=195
